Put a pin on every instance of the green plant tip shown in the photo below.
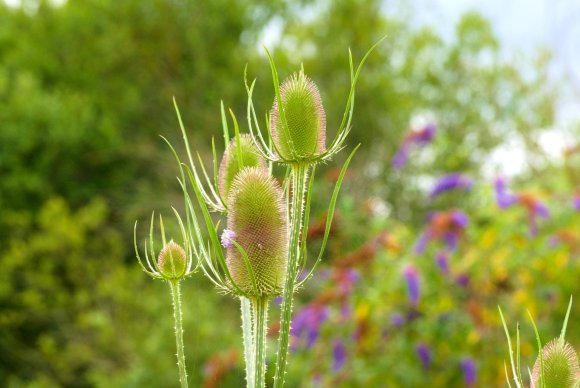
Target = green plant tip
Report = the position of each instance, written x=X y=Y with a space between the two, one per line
x=257 y=218
x=172 y=261
x=303 y=138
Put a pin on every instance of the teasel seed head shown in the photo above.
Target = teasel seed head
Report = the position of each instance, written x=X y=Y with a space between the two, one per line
x=561 y=367
x=172 y=261
x=257 y=218
x=230 y=165
x=304 y=137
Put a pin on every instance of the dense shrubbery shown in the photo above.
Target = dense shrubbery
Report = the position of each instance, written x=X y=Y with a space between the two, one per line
x=86 y=87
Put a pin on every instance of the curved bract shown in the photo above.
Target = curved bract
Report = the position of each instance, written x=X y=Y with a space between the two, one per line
x=257 y=257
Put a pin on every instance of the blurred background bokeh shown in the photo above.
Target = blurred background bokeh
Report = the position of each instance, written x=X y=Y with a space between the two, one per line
x=485 y=98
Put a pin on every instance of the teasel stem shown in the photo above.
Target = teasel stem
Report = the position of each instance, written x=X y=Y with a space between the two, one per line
x=260 y=308
x=248 y=338
x=178 y=318
x=299 y=180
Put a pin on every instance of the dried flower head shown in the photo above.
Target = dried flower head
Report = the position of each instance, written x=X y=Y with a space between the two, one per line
x=300 y=134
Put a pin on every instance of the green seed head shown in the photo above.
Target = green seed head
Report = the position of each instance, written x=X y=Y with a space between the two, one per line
x=172 y=261
x=561 y=367
x=257 y=220
x=230 y=165
x=304 y=137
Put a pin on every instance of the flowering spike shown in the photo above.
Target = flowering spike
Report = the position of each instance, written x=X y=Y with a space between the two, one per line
x=413 y=286
x=450 y=182
x=469 y=368
x=561 y=367
x=424 y=354
x=299 y=133
x=230 y=164
x=257 y=218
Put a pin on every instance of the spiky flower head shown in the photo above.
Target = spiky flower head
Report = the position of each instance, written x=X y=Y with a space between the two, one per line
x=561 y=367
x=299 y=131
x=257 y=257
x=230 y=164
x=172 y=261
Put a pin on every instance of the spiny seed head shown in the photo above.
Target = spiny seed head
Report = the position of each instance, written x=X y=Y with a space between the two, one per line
x=230 y=165
x=561 y=367
x=172 y=261
x=304 y=139
x=257 y=219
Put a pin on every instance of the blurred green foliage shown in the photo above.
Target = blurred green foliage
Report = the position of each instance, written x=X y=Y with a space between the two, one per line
x=85 y=90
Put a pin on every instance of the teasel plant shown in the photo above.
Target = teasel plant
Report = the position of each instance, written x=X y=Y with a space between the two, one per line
x=295 y=137
x=557 y=362
x=173 y=264
x=262 y=251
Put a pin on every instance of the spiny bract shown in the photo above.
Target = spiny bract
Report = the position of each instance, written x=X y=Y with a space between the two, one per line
x=257 y=218
x=304 y=138
x=230 y=165
x=172 y=261
x=561 y=367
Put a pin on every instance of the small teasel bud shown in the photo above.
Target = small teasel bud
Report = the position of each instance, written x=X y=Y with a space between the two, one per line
x=304 y=137
x=172 y=261
x=230 y=164
x=257 y=220
x=561 y=367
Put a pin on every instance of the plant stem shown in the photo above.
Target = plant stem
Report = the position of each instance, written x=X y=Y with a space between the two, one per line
x=178 y=318
x=299 y=178
x=260 y=307
x=248 y=340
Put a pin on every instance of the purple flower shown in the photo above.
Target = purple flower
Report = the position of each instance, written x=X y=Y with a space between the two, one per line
x=397 y=320
x=412 y=279
x=421 y=244
x=426 y=134
x=462 y=280
x=442 y=262
x=227 y=238
x=502 y=197
x=420 y=137
x=450 y=182
x=424 y=354
x=338 y=355
x=445 y=226
x=459 y=219
x=535 y=208
x=345 y=311
x=469 y=370
x=346 y=279
x=576 y=202
x=451 y=239
x=401 y=156
x=307 y=322
x=540 y=210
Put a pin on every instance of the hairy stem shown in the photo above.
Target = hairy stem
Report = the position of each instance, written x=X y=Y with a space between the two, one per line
x=260 y=307
x=248 y=340
x=299 y=178
x=178 y=318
